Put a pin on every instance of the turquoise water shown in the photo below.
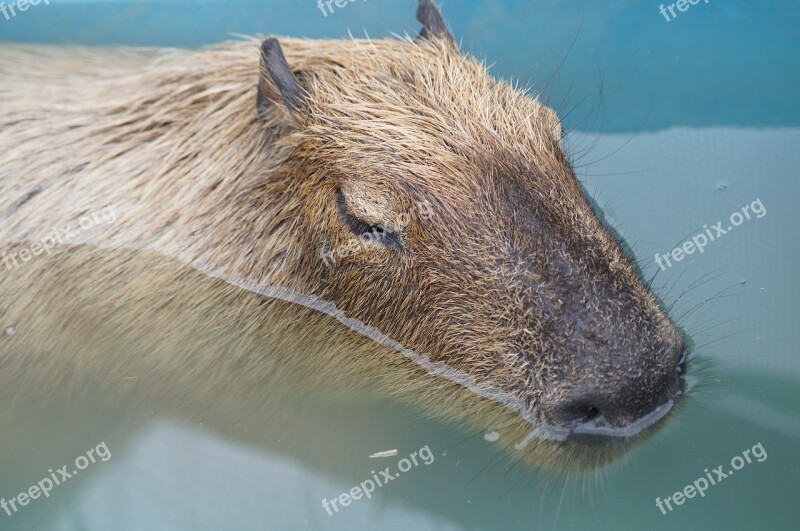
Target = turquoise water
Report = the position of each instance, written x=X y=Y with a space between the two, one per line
x=674 y=125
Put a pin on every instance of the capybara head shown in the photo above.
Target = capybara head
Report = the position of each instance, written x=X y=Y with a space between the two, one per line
x=438 y=207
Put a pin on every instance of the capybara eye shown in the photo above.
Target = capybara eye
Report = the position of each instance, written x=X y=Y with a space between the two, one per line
x=386 y=237
x=375 y=232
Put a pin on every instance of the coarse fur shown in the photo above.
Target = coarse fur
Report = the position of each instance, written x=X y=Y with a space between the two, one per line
x=513 y=284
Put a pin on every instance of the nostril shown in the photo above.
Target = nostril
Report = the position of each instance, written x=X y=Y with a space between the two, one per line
x=583 y=418
x=591 y=413
x=576 y=412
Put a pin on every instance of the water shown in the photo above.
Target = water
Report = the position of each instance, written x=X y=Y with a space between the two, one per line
x=683 y=124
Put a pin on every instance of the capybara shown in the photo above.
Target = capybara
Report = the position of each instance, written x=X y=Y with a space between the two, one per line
x=479 y=282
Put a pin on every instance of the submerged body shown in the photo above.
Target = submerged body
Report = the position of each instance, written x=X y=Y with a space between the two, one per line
x=508 y=304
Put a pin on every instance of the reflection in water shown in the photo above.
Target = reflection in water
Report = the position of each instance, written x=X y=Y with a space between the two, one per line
x=177 y=477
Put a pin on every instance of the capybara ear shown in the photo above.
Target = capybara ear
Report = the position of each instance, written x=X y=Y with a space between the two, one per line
x=432 y=22
x=277 y=83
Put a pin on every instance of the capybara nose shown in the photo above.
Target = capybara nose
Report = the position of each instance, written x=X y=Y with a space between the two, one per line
x=581 y=414
x=596 y=417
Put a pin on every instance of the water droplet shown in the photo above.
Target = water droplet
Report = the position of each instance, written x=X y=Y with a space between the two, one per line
x=491 y=436
x=10 y=331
